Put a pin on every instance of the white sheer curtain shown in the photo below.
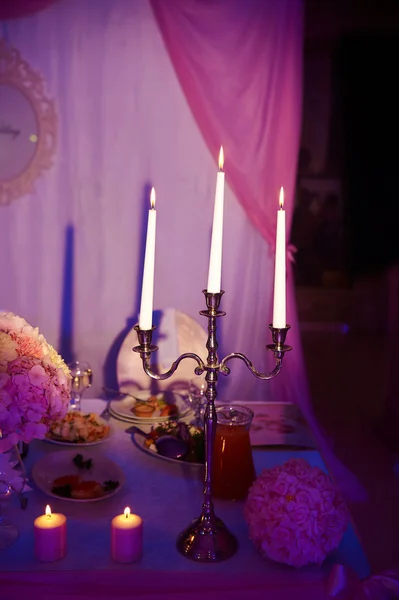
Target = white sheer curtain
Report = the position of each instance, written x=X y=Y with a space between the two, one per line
x=125 y=125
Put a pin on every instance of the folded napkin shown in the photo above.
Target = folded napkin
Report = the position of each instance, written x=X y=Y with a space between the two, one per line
x=344 y=584
x=168 y=342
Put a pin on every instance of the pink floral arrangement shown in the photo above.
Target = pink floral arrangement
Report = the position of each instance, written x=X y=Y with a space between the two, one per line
x=34 y=382
x=295 y=514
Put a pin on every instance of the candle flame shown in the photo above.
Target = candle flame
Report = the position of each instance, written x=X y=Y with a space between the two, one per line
x=152 y=198
x=126 y=512
x=281 y=200
x=221 y=158
x=48 y=511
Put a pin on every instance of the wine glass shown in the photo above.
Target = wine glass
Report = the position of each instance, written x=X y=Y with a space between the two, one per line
x=82 y=378
x=8 y=531
x=196 y=395
x=8 y=460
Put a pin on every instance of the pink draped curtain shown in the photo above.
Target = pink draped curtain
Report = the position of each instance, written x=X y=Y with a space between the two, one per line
x=240 y=67
x=239 y=64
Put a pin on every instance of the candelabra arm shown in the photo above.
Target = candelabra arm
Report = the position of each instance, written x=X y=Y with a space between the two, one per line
x=160 y=376
x=279 y=348
x=226 y=371
x=146 y=348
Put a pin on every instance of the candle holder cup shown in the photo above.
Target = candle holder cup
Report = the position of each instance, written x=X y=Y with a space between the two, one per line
x=207 y=539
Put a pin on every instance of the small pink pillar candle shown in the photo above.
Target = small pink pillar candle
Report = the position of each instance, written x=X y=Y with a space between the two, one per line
x=50 y=536
x=126 y=537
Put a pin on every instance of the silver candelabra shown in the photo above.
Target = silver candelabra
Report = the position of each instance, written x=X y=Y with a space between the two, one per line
x=207 y=539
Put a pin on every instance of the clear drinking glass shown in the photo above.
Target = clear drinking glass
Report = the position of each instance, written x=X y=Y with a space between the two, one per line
x=233 y=466
x=8 y=530
x=9 y=483
x=196 y=395
x=82 y=378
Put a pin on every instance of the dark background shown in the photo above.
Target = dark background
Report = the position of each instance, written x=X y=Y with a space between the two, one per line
x=347 y=204
x=366 y=71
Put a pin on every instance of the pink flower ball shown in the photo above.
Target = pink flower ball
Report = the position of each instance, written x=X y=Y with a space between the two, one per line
x=34 y=383
x=295 y=514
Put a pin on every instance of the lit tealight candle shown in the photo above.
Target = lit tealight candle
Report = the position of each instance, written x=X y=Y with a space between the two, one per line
x=50 y=536
x=126 y=537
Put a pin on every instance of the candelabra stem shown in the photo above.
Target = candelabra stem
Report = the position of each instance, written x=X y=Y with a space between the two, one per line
x=207 y=539
x=210 y=418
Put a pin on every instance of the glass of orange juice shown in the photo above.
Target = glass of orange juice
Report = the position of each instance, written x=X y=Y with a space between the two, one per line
x=233 y=465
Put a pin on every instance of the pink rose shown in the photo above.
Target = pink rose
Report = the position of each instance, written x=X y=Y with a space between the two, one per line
x=282 y=537
x=289 y=466
x=305 y=497
x=272 y=473
x=299 y=514
x=282 y=484
x=327 y=501
x=276 y=509
x=322 y=482
x=298 y=466
x=312 y=473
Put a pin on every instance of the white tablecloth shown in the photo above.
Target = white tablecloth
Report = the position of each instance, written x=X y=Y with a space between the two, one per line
x=167 y=496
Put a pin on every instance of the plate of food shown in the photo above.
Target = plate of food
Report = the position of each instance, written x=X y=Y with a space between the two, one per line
x=150 y=408
x=79 y=429
x=193 y=435
x=78 y=477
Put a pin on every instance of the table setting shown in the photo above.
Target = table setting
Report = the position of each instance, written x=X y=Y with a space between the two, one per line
x=159 y=491
x=95 y=541
x=161 y=495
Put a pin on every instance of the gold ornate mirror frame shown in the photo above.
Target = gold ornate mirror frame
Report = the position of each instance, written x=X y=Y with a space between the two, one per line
x=28 y=126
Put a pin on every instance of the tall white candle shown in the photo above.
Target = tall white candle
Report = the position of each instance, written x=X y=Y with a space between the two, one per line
x=50 y=536
x=126 y=537
x=215 y=260
x=279 y=309
x=147 y=292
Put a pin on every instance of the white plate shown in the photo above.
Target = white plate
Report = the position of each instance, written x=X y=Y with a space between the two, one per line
x=138 y=441
x=123 y=408
x=60 y=442
x=58 y=464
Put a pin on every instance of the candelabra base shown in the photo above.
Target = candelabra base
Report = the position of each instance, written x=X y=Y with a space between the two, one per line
x=207 y=540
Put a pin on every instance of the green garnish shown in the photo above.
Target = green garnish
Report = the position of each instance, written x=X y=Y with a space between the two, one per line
x=110 y=486
x=81 y=463
x=65 y=491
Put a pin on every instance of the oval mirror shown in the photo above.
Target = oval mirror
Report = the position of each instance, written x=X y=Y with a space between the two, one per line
x=28 y=126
